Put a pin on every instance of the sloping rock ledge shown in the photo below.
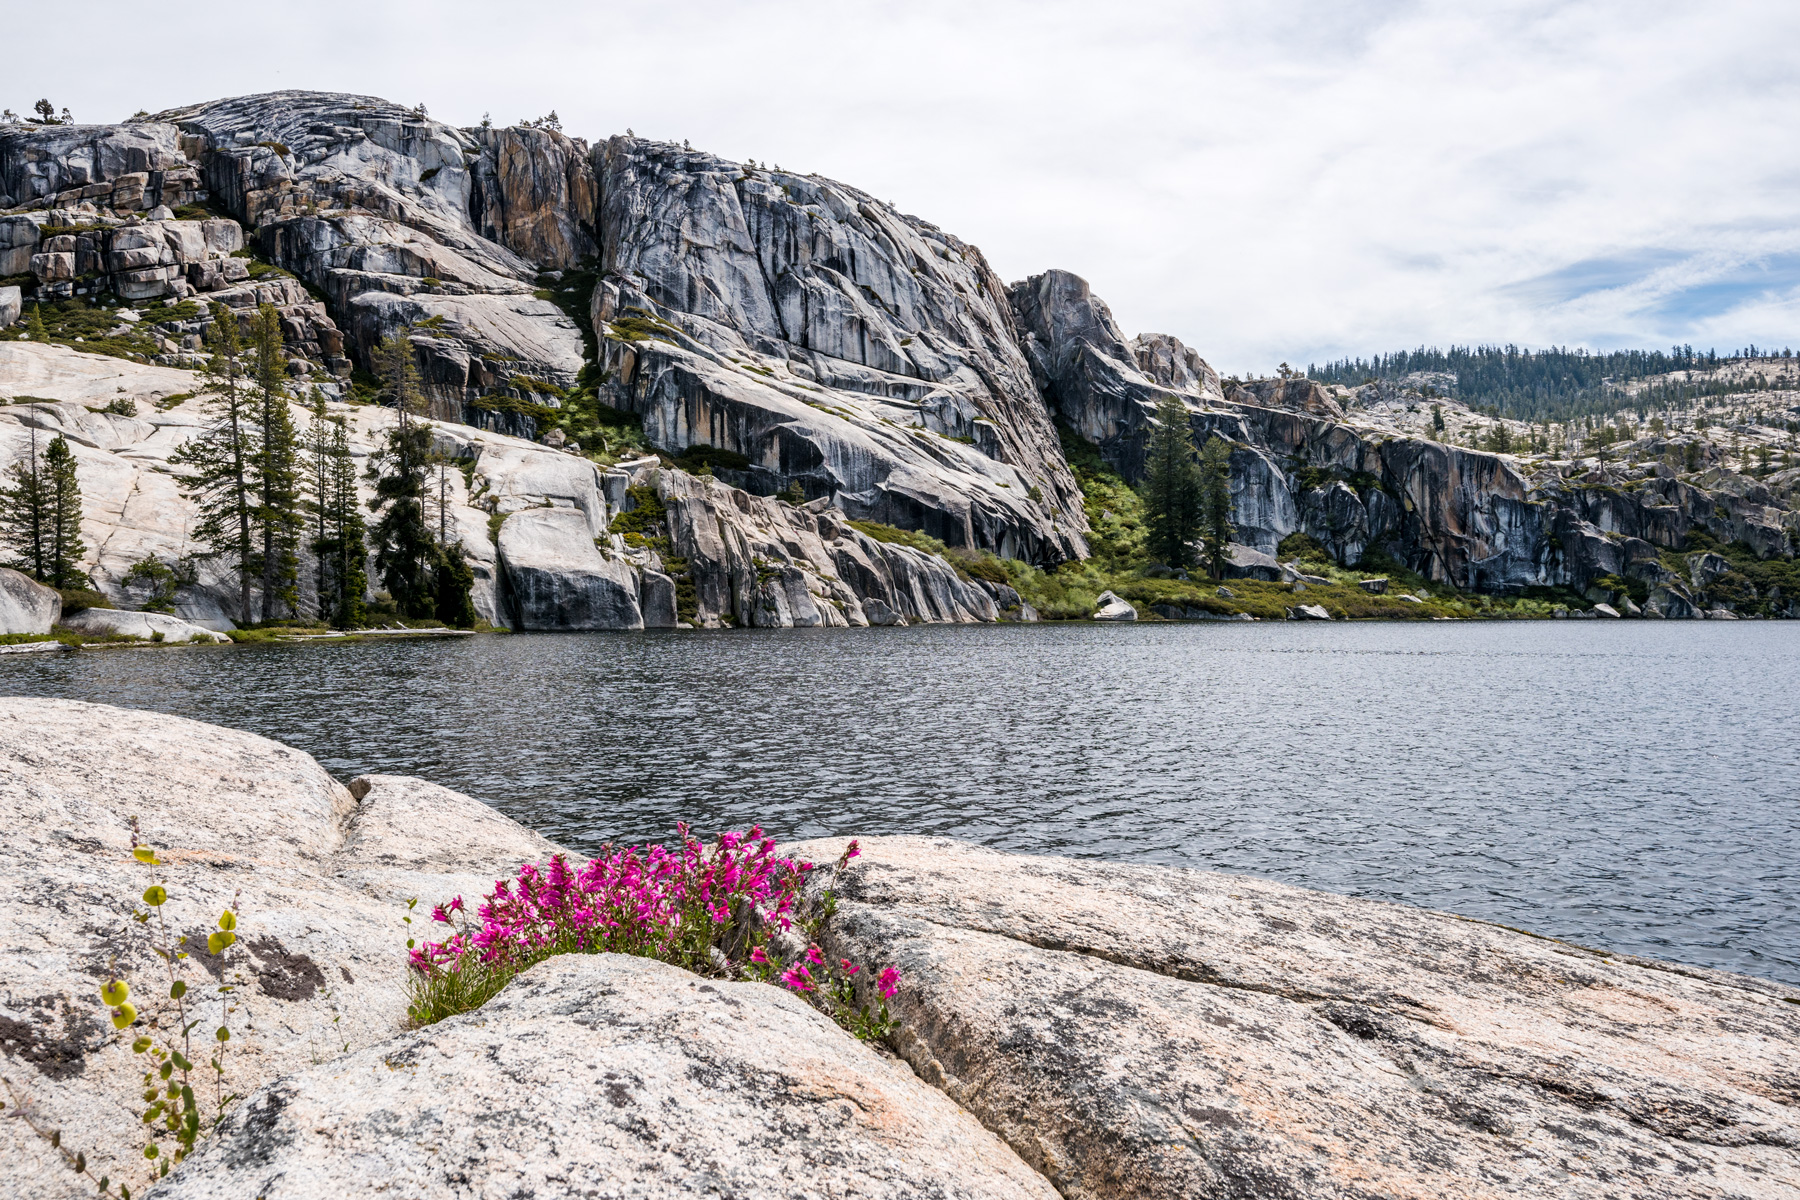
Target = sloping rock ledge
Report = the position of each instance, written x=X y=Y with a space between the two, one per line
x=1072 y=1028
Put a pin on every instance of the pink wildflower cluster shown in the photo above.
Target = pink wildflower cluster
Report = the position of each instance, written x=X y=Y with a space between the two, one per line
x=649 y=901
x=693 y=906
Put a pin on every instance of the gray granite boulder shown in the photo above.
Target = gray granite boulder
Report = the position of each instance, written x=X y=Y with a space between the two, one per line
x=606 y=1075
x=1143 y=1031
x=1111 y=608
x=26 y=606
x=321 y=875
x=559 y=578
x=150 y=626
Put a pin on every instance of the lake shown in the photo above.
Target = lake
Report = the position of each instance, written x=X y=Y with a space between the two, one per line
x=1628 y=785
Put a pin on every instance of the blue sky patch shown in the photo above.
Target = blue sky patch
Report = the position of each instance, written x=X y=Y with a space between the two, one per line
x=1733 y=288
x=1592 y=275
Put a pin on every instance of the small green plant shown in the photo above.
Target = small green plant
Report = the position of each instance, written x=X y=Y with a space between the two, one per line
x=177 y=1112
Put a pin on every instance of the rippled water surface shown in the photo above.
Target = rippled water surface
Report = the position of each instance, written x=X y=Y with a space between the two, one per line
x=1630 y=785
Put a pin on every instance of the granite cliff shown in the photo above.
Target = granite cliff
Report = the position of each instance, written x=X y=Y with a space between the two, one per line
x=812 y=341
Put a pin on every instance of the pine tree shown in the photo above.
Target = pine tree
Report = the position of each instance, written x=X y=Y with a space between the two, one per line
x=1171 y=486
x=343 y=576
x=279 y=517
x=1215 y=503
x=455 y=580
x=34 y=325
x=25 y=515
x=63 y=490
x=223 y=457
x=318 y=474
x=405 y=553
x=438 y=500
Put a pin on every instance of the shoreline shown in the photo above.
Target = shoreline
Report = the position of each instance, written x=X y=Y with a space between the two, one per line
x=1061 y=1023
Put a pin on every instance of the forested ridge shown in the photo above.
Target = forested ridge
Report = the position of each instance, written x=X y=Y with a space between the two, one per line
x=1556 y=384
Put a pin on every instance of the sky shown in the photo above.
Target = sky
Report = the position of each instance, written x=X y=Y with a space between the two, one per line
x=1266 y=181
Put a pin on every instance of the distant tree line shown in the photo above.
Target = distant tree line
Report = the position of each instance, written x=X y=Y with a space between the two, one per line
x=1557 y=384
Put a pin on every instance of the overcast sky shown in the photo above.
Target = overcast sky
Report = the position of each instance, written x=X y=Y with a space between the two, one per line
x=1266 y=181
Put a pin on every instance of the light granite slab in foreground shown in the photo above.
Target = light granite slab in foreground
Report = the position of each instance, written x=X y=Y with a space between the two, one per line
x=1142 y=1031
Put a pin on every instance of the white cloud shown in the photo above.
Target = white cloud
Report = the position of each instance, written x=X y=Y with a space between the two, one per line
x=1267 y=181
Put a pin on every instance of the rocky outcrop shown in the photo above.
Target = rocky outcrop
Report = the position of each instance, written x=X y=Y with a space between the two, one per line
x=133 y=506
x=1109 y=607
x=12 y=305
x=533 y=191
x=132 y=259
x=146 y=626
x=1303 y=463
x=118 y=168
x=762 y=562
x=321 y=876
x=1150 y=1031
x=835 y=343
x=26 y=606
x=1102 y=385
x=750 y=560
x=828 y=346
x=686 y=1087
x=558 y=577
x=377 y=206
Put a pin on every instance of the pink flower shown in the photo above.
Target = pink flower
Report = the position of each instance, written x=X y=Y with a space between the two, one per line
x=850 y=968
x=798 y=978
x=815 y=956
x=438 y=914
x=889 y=983
x=757 y=956
x=456 y=904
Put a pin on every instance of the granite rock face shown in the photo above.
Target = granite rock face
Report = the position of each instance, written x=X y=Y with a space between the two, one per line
x=322 y=879
x=833 y=341
x=534 y=192
x=1149 y=1031
x=126 y=168
x=386 y=212
x=608 y=1075
x=1301 y=463
x=559 y=578
x=751 y=560
x=134 y=259
x=859 y=355
x=763 y=562
x=1103 y=385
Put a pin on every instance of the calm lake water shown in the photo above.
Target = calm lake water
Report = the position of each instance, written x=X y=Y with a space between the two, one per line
x=1634 y=785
